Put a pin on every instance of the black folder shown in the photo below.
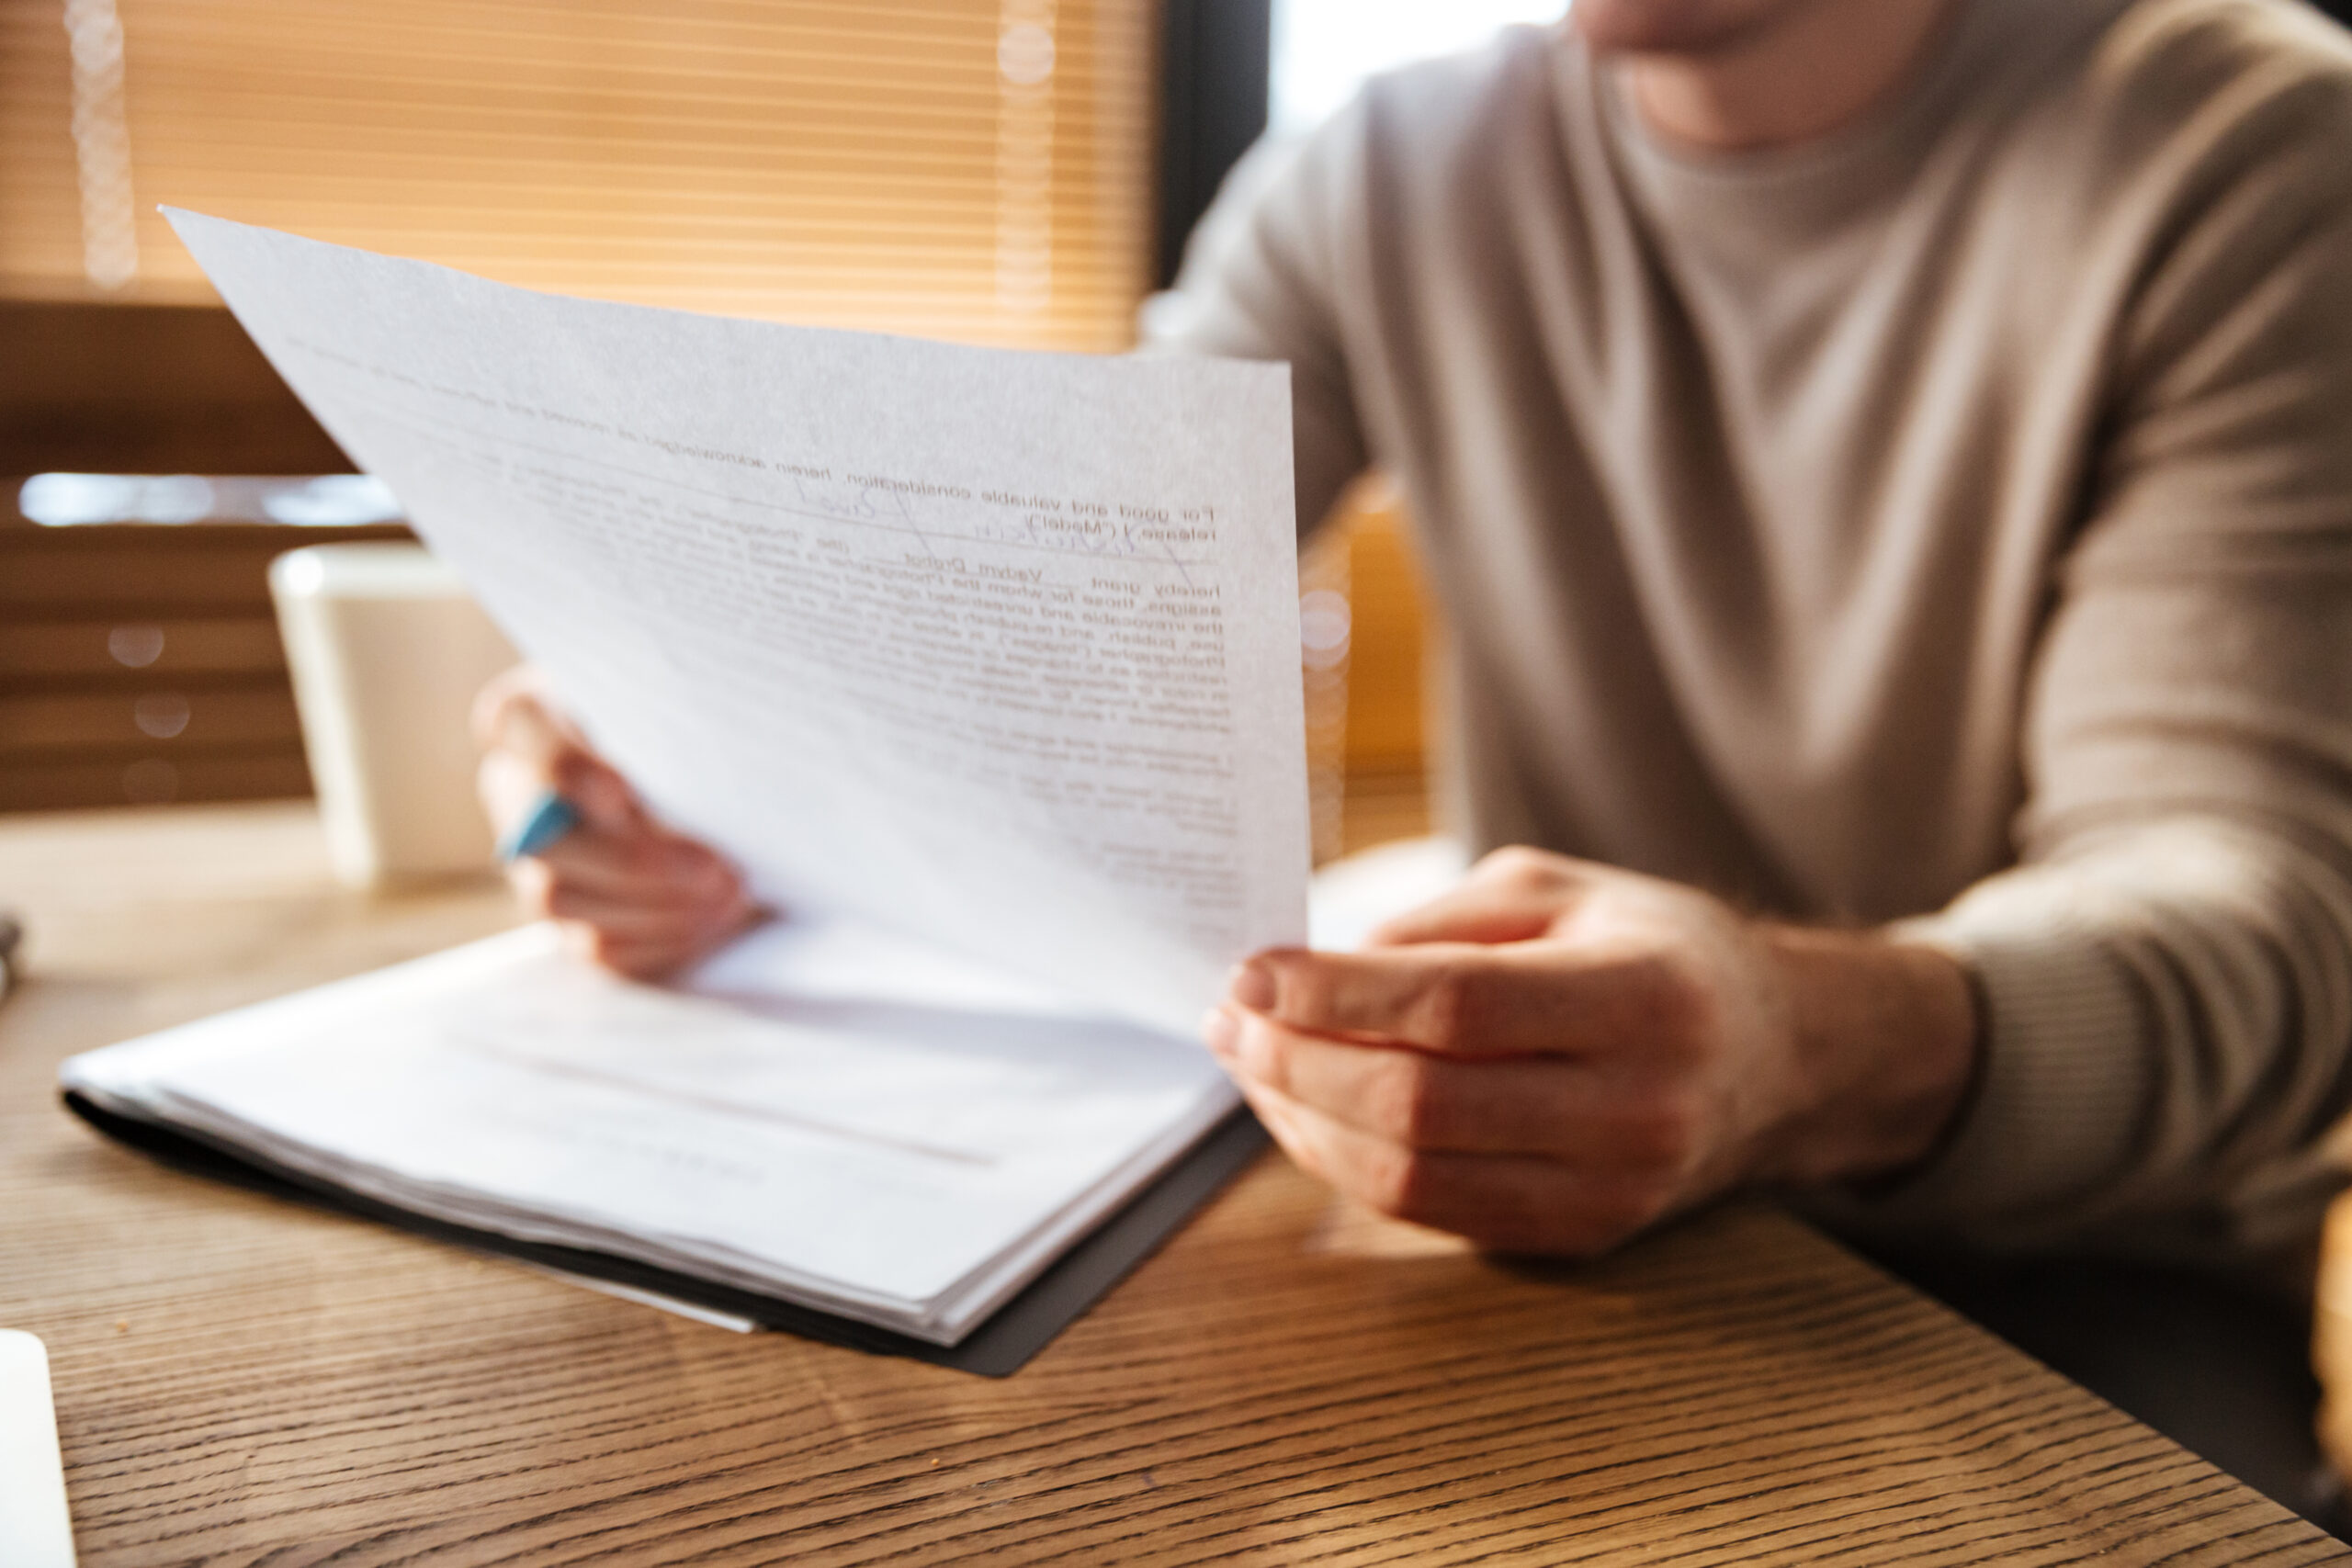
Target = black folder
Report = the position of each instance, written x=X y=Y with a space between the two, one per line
x=1000 y=1346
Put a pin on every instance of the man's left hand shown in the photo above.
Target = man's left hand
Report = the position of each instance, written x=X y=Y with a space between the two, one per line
x=1558 y=1054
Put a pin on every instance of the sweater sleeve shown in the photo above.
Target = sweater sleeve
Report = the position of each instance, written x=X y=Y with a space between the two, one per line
x=1258 y=284
x=2165 y=976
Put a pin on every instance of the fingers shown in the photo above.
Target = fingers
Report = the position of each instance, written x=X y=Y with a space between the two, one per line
x=638 y=925
x=522 y=682
x=631 y=895
x=1508 y=1202
x=508 y=786
x=1470 y=999
x=652 y=958
x=532 y=747
x=633 y=866
x=1563 y=1108
x=580 y=886
x=1550 y=1057
x=645 y=865
x=517 y=714
x=642 y=928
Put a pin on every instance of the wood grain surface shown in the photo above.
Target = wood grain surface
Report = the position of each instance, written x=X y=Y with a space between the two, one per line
x=240 y=1381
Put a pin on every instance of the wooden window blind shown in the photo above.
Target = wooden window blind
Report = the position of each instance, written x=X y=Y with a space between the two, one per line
x=977 y=169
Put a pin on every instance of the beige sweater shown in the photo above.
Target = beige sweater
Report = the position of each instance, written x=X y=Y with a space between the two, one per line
x=1951 y=519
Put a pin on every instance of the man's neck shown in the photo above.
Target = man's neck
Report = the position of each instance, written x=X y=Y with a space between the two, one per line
x=1813 y=70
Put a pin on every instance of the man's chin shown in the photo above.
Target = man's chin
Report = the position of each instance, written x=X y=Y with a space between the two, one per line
x=1671 y=26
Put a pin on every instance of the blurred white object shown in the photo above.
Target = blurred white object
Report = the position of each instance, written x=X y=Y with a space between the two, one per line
x=1323 y=50
x=322 y=501
x=36 y=1531
x=1350 y=897
x=387 y=650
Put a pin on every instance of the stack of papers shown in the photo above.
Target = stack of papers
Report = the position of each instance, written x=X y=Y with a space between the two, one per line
x=774 y=1126
x=983 y=665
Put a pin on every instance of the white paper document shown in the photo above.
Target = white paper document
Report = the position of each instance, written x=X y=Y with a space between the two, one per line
x=982 y=664
x=996 y=648
x=908 y=1157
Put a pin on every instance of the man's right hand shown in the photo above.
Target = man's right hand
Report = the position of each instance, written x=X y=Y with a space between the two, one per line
x=631 y=894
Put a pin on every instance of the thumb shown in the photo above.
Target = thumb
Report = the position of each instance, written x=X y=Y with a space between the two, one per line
x=1474 y=912
x=534 y=746
x=1509 y=896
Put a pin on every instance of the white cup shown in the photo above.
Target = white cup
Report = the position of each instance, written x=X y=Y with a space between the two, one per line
x=386 y=651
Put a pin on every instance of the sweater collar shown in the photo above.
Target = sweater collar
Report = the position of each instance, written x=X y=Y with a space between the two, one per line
x=1785 y=194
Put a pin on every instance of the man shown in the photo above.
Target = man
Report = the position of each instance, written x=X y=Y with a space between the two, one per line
x=1888 y=463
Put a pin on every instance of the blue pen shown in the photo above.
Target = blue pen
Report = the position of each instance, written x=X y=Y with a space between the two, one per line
x=550 y=818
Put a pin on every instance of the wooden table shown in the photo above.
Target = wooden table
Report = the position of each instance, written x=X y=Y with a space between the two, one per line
x=240 y=1380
